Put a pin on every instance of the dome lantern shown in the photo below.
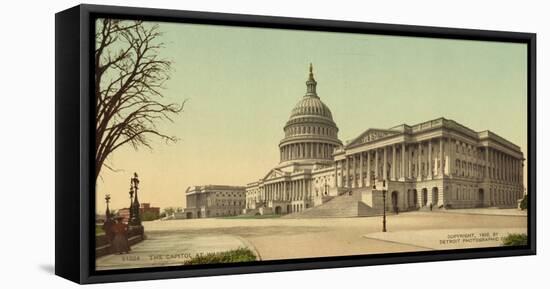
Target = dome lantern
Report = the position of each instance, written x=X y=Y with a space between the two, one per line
x=311 y=84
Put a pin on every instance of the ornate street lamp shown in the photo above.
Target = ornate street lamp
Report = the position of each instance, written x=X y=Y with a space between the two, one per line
x=135 y=184
x=384 y=214
x=384 y=209
x=107 y=211
x=131 y=207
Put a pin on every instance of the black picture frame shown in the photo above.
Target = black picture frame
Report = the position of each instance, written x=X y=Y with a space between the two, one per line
x=74 y=197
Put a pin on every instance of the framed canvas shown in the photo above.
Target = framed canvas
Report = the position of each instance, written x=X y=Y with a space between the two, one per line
x=195 y=144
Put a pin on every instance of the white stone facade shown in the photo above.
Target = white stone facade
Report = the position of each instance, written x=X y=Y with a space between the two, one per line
x=214 y=201
x=435 y=164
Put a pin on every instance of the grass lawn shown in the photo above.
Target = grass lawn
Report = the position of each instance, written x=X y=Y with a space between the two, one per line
x=251 y=217
x=515 y=240
x=99 y=230
x=238 y=255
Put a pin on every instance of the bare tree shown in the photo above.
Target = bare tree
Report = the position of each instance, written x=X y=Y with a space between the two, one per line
x=129 y=77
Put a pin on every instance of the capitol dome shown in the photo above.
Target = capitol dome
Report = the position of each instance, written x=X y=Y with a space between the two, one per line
x=310 y=133
x=311 y=106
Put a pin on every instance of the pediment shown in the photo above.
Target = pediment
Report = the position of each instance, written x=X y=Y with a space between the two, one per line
x=273 y=174
x=370 y=135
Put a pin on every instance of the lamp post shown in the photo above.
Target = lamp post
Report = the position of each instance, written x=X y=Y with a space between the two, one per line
x=107 y=211
x=135 y=185
x=131 y=208
x=384 y=207
x=384 y=212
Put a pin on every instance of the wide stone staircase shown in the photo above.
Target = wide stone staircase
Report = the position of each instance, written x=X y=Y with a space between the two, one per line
x=348 y=204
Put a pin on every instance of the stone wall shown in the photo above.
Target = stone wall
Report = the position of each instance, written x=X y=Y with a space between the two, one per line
x=103 y=245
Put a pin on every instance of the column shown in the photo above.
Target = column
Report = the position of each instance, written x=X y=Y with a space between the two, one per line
x=492 y=163
x=290 y=190
x=419 y=165
x=441 y=165
x=501 y=170
x=517 y=172
x=348 y=185
x=295 y=194
x=410 y=162
x=361 y=179
x=293 y=191
x=403 y=177
x=451 y=153
x=385 y=164
x=429 y=159
x=354 y=174
x=375 y=165
x=504 y=167
x=303 y=183
x=304 y=192
x=509 y=168
x=500 y=177
x=487 y=162
x=299 y=189
x=336 y=174
x=368 y=168
x=393 y=164
x=513 y=160
x=504 y=177
x=290 y=152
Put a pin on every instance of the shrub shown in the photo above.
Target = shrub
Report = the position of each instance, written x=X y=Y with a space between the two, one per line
x=515 y=240
x=99 y=230
x=149 y=216
x=232 y=256
x=524 y=203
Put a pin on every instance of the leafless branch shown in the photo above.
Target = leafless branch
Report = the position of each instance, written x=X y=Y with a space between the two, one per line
x=129 y=79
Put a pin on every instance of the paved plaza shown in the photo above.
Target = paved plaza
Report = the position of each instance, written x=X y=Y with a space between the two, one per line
x=172 y=242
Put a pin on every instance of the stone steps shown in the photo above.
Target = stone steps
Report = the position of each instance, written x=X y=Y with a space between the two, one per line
x=345 y=205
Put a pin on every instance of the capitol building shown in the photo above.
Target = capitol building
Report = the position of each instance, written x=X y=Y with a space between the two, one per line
x=438 y=164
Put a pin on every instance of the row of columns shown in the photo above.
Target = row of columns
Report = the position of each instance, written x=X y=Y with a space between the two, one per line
x=311 y=150
x=504 y=196
x=355 y=170
x=287 y=191
x=404 y=164
x=318 y=130
x=503 y=167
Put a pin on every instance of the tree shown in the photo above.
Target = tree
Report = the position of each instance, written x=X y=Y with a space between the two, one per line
x=129 y=77
x=524 y=203
x=169 y=211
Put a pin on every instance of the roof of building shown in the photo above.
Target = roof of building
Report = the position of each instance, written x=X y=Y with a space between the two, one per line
x=311 y=104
